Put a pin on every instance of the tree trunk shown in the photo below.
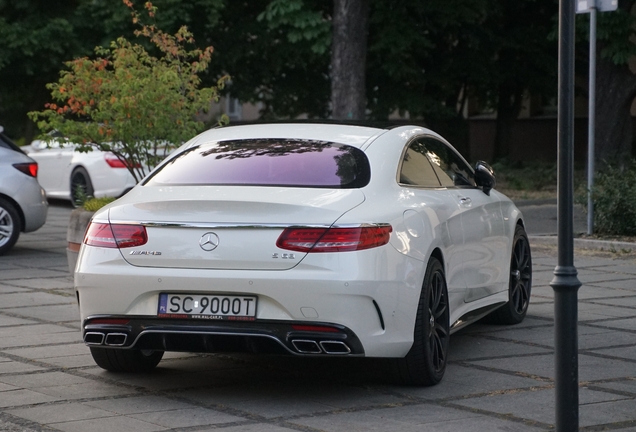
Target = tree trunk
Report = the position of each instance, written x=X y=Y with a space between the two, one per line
x=348 y=59
x=615 y=91
x=508 y=108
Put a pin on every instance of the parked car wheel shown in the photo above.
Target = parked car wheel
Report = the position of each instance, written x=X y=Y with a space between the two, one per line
x=515 y=310
x=10 y=226
x=81 y=186
x=126 y=360
x=425 y=363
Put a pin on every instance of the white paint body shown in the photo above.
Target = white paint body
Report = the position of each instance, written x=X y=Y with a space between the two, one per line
x=474 y=237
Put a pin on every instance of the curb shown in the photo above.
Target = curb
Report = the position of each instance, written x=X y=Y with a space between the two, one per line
x=606 y=245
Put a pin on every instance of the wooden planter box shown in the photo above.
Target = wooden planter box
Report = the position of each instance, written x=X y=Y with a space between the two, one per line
x=77 y=224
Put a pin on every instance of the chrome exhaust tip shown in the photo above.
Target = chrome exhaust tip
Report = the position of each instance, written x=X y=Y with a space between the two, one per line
x=116 y=339
x=94 y=338
x=306 y=346
x=335 y=347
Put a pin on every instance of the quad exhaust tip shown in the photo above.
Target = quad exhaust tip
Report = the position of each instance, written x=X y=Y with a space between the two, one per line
x=306 y=346
x=94 y=338
x=110 y=339
x=335 y=347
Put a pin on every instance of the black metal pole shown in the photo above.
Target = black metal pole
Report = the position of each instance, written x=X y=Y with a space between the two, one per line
x=565 y=283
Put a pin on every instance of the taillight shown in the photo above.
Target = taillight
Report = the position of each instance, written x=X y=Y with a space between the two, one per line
x=115 y=236
x=114 y=162
x=334 y=239
x=28 y=168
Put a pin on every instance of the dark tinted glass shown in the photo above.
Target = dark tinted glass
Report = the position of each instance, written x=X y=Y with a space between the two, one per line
x=449 y=167
x=416 y=168
x=267 y=162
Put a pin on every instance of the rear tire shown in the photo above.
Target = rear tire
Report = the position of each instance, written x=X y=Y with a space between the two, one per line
x=10 y=226
x=81 y=186
x=425 y=363
x=520 y=284
x=126 y=360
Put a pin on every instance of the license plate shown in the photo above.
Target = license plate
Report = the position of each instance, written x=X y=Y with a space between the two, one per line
x=212 y=307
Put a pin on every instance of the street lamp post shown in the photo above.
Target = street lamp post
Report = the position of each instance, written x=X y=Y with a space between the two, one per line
x=591 y=7
x=565 y=283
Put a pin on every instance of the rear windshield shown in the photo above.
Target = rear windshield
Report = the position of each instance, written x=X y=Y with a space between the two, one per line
x=267 y=162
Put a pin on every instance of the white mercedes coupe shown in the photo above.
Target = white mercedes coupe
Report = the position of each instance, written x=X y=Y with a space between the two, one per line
x=304 y=239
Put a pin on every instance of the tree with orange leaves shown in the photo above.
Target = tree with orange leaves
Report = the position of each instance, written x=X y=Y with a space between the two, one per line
x=129 y=102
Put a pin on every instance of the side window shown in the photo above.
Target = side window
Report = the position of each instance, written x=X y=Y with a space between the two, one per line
x=416 y=169
x=449 y=167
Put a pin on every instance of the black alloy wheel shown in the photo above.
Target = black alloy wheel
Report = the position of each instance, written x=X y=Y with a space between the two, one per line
x=425 y=363
x=520 y=284
x=10 y=226
x=81 y=186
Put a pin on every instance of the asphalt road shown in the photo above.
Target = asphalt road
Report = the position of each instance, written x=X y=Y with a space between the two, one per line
x=541 y=217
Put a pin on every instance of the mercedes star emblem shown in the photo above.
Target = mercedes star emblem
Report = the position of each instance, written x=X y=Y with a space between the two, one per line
x=209 y=241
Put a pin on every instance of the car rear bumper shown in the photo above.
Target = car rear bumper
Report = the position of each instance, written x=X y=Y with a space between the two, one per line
x=267 y=336
x=372 y=293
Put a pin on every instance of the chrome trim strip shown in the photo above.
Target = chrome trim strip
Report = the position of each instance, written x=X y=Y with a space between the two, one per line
x=204 y=225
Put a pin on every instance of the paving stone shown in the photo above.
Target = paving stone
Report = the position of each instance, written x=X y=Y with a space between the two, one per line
x=21 y=274
x=139 y=404
x=625 y=353
x=46 y=352
x=14 y=398
x=85 y=390
x=31 y=340
x=30 y=299
x=12 y=367
x=8 y=288
x=108 y=424
x=61 y=281
x=76 y=361
x=473 y=347
x=260 y=427
x=186 y=417
x=13 y=321
x=590 y=367
x=413 y=418
x=626 y=385
x=54 y=313
x=588 y=291
x=625 y=301
x=56 y=413
x=627 y=324
x=38 y=380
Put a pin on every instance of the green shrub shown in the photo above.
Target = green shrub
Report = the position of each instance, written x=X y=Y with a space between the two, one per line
x=614 y=197
x=94 y=204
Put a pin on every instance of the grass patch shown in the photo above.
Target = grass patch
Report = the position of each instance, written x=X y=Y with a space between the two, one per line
x=531 y=180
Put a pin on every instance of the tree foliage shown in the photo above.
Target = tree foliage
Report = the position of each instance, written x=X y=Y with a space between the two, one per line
x=130 y=102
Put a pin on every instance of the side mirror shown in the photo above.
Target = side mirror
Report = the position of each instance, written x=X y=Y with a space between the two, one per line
x=485 y=176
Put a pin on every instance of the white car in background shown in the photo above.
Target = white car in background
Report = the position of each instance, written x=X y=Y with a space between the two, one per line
x=67 y=174
x=303 y=239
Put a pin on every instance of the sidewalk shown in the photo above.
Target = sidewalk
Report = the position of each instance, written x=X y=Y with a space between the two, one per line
x=498 y=378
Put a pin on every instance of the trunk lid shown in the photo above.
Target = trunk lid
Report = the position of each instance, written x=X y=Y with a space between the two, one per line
x=225 y=227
